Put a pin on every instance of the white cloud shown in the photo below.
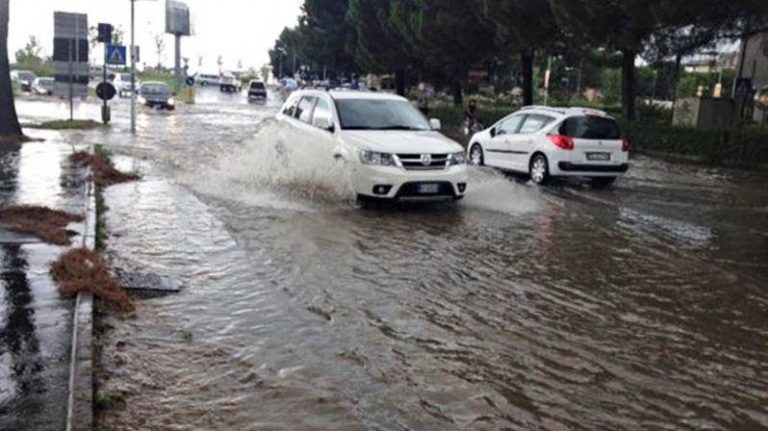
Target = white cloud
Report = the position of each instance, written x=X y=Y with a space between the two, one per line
x=238 y=30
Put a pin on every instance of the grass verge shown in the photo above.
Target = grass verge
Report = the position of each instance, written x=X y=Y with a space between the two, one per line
x=44 y=223
x=65 y=125
x=83 y=270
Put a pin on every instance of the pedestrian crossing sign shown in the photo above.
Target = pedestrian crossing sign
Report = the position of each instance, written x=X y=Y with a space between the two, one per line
x=116 y=55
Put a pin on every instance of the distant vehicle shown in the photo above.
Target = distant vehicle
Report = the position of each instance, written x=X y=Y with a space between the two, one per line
x=122 y=83
x=547 y=143
x=25 y=79
x=229 y=83
x=44 y=86
x=257 y=90
x=156 y=95
x=205 y=80
x=393 y=151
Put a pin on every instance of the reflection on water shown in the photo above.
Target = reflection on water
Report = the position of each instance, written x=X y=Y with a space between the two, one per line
x=641 y=307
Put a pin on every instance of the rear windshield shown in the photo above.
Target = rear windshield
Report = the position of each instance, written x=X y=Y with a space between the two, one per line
x=257 y=86
x=590 y=127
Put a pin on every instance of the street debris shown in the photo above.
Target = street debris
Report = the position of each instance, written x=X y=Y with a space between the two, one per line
x=148 y=282
x=104 y=172
x=82 y=270
x=47 y=224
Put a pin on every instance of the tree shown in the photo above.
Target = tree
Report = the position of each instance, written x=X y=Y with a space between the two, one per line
x=265 y=71
x=522 y=28
x=160 y=49
x=9 y=121
x=30 y=54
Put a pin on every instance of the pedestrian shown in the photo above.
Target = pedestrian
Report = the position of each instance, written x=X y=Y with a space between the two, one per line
x=470 y=118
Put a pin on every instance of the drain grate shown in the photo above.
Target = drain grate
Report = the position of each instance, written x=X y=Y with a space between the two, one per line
x=148 y=282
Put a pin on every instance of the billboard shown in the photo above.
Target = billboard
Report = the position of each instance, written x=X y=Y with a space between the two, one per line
x=70 y=54
x=177 y=20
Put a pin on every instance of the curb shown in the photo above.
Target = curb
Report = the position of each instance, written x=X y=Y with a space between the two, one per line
x=80 y=399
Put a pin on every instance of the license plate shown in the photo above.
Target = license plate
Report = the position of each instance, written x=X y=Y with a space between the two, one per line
x=599 y=157
x=429 y=189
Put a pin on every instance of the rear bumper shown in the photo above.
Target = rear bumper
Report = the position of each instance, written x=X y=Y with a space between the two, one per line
x=568 y=167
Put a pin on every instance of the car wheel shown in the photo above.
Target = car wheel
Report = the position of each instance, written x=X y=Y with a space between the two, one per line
x=539 y=170
x=602 y=182
x=476 y=156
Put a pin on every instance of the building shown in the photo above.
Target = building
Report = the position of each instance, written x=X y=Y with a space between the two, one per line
x=756 y=64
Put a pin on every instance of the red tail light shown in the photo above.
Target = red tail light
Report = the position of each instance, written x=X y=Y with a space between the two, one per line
x=562 y=142
x=625 y=144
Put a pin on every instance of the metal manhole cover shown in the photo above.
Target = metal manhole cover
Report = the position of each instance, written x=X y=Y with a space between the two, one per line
x=148 y=282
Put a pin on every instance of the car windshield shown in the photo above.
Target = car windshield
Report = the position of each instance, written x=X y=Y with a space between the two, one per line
x=380 y=114
x=125 y=77
x=46 y=82
x=591 y=127
x=257 y=86
x=158 y=89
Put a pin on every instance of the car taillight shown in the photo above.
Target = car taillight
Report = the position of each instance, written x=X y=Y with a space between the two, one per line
x=625 y=144
x=562 y=142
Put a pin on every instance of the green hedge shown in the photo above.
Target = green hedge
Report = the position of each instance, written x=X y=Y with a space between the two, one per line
x=745 y=147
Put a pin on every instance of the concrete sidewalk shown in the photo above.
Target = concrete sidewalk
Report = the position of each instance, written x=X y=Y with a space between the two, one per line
x=36 y=323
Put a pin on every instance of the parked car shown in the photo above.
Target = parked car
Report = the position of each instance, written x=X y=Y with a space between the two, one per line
x=156 y=95
x=257 y=90
x=393 y=151
x=25 y=79
x=122 y=83
x=229 y=83
x=44 y=86
x=547 y=143
x=205 y=80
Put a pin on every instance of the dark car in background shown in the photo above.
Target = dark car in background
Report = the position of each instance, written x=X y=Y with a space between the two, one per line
x=157 y=95
x=257 y=90
x=24 y=78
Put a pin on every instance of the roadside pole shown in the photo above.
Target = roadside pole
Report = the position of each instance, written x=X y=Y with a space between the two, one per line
x=133 y=67
x=104 y=107
x=547 y=77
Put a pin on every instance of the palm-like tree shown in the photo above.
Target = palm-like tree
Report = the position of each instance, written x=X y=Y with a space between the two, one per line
x=9 y=122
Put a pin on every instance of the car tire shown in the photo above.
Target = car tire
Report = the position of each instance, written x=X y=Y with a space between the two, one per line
x=539 y=170
x=476 y=155
x=602 y=182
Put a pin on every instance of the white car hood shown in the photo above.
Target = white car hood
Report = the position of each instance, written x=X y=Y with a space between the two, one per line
x=401 y=142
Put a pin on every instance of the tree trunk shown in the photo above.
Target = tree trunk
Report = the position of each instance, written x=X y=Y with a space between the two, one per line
x=628 y=84
x=676 y=77
x=400 y=81
x=526 y=62
x=9 y=122
x=458 y=93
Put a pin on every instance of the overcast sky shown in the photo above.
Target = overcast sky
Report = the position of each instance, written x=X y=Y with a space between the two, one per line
x=238 y=30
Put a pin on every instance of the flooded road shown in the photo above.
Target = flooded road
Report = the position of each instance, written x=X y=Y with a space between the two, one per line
x=640 y=307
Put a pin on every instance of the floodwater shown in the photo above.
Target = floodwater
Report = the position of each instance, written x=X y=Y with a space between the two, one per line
x=640 y=307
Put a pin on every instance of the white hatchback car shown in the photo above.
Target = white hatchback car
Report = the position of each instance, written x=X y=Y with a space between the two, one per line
x=393 y=151
x=547 y=143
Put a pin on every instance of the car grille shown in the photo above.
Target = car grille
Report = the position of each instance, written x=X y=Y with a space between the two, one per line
x=416 y=162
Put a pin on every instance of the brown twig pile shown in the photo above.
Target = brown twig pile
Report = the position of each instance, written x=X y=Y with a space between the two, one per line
x=47 y=224
x=82 y=270
x=104 y=173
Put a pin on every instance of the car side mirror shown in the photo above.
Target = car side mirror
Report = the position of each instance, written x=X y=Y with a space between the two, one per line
x=323 y=123
x=435 y=124
x=493 y=132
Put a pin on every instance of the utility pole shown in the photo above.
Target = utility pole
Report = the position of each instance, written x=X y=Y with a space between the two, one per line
x=547 y=76
x=133 y=67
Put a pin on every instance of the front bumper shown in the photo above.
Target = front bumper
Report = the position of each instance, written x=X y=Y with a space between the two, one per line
x=390 y=182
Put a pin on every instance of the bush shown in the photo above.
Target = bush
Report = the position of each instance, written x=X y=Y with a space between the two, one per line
x=745 y=147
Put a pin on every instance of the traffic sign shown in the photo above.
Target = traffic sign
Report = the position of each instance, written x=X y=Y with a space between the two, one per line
x=190 y=81
x=116 y=55
x=105 y=91
x=744 y=87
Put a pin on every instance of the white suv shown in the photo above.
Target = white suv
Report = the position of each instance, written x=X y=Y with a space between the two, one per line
x=549 y=142
x=393 y=151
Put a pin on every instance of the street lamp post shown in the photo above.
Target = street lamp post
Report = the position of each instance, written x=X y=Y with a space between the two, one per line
x=133 y=67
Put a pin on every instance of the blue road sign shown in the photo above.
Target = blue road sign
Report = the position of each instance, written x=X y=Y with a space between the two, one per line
x=116 y=55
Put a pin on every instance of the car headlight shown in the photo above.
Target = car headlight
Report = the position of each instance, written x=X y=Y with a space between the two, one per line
x=374 y=158
x=141 y=100
x=458 y=158
x=171 y=101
